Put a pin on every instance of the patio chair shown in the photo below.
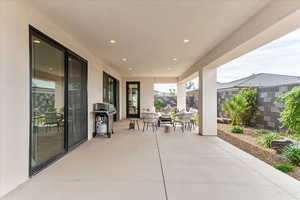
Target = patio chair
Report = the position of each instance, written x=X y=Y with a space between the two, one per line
x=184 y=120
x=150 y=118
x=52 y=120
x=194 y=119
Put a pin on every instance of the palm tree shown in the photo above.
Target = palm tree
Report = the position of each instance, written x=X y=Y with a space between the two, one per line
x=237 y=109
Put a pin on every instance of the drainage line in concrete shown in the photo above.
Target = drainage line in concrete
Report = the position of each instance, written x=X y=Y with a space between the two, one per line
x=161 y=166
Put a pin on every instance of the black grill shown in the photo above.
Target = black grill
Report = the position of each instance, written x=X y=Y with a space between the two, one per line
x=104 y=116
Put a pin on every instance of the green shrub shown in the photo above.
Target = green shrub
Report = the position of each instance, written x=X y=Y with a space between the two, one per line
x=290 y=116
x=285 y=168
x=159 y=104
x=236 y=108
x=250 y=95
x=266 y=140
x=237 y=129
x=296 y=137
x=242 y=107
x=292 y=153
x=263 y=131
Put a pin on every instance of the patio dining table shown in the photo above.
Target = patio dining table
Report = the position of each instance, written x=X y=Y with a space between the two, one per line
x=165 y=119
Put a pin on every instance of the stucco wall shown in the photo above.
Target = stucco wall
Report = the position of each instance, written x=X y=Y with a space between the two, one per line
x=1 y=98
x=181 y=96
x=14 y=118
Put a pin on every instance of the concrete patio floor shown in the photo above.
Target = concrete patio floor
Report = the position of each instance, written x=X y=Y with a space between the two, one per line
x=137 y=165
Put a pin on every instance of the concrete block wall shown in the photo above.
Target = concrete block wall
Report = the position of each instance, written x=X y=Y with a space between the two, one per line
x=269 y=111
x=223 y=96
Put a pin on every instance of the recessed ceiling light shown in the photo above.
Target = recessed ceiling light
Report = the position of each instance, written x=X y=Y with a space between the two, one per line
x=112 y=41
x=130 y=68
x=174 y=59
x=186 y=40
x=124 y=59
x=36 y=41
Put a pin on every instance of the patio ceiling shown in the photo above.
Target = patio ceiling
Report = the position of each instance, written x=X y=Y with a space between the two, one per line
x=149 y=34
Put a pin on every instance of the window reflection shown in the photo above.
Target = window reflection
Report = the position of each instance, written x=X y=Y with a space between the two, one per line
x=76 y=102
x=47 y=101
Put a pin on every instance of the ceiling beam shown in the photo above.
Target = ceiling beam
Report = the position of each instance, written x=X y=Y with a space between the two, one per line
x=275 y=20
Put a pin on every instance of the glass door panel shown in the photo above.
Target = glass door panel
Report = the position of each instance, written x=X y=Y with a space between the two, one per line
x=133 y=99
x=77 y=119
x=47 y=101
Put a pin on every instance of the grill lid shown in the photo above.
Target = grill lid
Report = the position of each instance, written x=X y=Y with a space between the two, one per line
x=104 y=107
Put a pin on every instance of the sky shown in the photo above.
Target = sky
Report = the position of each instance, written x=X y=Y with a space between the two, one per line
x=281 y=56
x=165 y=87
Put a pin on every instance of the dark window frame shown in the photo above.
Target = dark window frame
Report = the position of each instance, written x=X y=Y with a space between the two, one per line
x=67 y=52
x=116 y=93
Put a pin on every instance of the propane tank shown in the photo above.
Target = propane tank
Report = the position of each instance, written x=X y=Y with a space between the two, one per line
x=101 y=127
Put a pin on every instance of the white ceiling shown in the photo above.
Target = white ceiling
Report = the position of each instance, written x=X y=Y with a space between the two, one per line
x=150 y=33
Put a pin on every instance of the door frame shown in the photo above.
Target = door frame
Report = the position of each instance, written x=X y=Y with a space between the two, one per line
x=67 y=52
x=139 y=99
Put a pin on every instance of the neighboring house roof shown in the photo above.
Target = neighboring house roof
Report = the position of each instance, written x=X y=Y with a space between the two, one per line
x=260 y=80
x=160 y=93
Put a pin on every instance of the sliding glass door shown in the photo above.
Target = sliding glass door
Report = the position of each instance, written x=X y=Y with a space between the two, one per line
x=58 y=100
x=77 y=119
x=47 y=101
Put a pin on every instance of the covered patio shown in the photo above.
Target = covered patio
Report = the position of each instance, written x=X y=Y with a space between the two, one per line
x=59 y=58
x=146 y=165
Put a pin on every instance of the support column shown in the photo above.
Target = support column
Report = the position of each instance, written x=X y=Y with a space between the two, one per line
x=59 y=95
x=181 y=96
x=207 y=101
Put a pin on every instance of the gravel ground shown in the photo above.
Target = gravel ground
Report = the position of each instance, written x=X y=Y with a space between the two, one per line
x=248 y=143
